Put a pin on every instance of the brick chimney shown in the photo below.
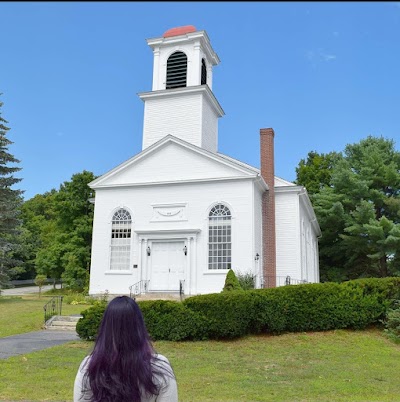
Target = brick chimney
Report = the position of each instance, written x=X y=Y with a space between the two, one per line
x=268 y=207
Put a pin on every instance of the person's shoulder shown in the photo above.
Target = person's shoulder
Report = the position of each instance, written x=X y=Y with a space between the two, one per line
x=161 y=359
x=84 y=363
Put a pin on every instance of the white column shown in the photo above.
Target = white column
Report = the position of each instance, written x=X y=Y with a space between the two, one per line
x=140 y=260
x=194 y=67
x=193 y=285
x=145 y=259
x=209 y=75
x=156 y=69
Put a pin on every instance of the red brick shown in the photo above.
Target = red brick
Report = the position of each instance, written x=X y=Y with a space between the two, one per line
x=268 y=206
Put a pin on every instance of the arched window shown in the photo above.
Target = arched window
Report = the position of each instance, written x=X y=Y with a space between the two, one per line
x=176 y=70
x=203 y=72
x=120 y=240
x=219 y=238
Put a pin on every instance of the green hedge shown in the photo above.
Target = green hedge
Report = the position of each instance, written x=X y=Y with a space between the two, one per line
x=315 y=307
x=172 y=321
x=307 y=307
x=229 y=314
x=89 y=324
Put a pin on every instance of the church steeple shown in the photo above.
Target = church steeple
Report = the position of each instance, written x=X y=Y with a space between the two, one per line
x=181 y=102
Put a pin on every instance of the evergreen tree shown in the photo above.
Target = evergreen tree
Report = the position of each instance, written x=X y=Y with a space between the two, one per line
x=358 y=209
x=10 y=202
x=231 y=282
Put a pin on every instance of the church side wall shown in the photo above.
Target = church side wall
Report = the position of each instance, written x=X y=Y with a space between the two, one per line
x=163 y=116
x=197 y=199
x=309 y=248
x=288 y=253
x=257 y=230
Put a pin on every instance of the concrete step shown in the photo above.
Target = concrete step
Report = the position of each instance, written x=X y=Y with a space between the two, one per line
x=61 y=328
x=158 y=296
x=62 y=323
x=67 y=318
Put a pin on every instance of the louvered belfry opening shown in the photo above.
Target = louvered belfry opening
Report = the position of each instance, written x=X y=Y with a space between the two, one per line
x=203 y=72
x=176 y=70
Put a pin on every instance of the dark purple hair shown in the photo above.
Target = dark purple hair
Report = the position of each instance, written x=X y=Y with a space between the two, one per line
x=123 y=363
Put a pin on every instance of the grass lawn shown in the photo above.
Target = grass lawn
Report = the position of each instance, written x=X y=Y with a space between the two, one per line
x=325 y=366
x=20 y=314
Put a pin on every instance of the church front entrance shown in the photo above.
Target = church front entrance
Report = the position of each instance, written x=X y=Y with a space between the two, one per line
x=167 y=265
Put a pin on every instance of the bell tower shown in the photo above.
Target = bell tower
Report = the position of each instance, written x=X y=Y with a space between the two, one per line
x=181 y=102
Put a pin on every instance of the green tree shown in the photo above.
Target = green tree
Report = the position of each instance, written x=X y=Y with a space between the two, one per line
x=358 y=210
x=66 y=238
x=315 y=172
x=369 y=177
x=10 y=202
x=40 y=281
x=38 y=226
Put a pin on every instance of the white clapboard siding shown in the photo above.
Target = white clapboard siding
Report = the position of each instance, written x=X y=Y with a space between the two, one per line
x=164 y=116
x=197 y=199
x=309 y=245
x=288 y=261
x=209 y=127
x=172 y=163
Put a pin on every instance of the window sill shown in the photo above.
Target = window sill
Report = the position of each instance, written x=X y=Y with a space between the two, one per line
x=216 y=272
x=118 y=272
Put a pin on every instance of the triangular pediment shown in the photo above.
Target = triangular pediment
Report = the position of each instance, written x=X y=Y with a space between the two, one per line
x=173 y=160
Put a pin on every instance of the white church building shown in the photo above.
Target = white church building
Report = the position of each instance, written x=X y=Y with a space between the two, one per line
x=179 y=214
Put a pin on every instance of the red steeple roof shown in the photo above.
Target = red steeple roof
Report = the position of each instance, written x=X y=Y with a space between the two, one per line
x=179 y=31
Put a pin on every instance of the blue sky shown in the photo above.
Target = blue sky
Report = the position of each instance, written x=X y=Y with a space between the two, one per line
x=322 y=75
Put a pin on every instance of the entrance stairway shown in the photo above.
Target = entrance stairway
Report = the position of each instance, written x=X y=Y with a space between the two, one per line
x=158 y=296
x=62 y=322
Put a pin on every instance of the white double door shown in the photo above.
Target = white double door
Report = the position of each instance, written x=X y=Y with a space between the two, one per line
x=167 y=265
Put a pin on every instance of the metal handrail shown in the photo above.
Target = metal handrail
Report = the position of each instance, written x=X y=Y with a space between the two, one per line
x=282 y=281
x=139 y=287
x=181 y=288
x=52 y=307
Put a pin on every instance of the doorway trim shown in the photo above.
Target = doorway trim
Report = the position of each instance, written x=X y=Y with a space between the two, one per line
x=189 y=238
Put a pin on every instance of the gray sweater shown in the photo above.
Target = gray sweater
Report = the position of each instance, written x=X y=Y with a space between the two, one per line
x=168 y=391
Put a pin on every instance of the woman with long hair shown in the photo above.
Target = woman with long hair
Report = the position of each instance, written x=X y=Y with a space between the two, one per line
x=123 y=366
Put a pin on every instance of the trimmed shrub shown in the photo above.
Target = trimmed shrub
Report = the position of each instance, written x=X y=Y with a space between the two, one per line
x=246 y=280
x=392 y=322
x=315 y=307
x=306 y=307
x=229 y=314
x=88 y=326
x=165 y=320
x=385 y=289
x=231 y=282
x=172 y=321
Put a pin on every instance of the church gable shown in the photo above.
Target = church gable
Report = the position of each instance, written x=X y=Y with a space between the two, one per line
x=279 y=182
x=172 y=160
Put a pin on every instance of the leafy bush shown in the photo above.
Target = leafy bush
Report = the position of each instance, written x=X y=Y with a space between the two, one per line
x=229 y=314
x=231 y=282
x=392 y=322
x=172 y=321
x=307 y=307
x=385 y=289
x=166 y=320
x=88 y=326
x=246 y=280
x=315 y=307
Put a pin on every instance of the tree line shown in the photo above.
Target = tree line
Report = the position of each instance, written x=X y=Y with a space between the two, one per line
x=356 y=197
x=49 y=234
x=355 y=194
